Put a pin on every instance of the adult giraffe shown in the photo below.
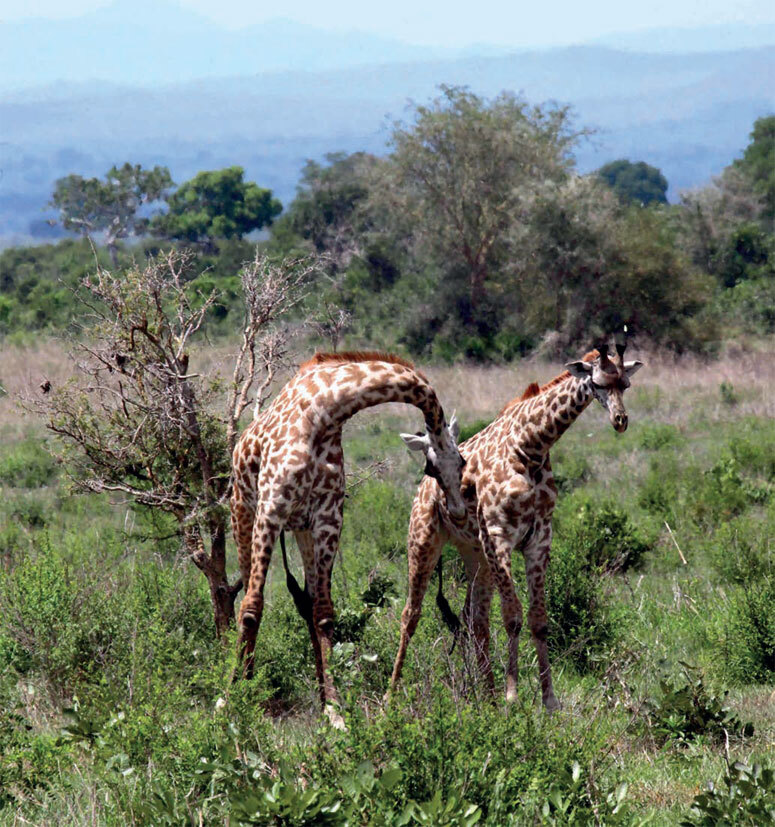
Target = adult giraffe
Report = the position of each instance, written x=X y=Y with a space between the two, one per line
x=289 y=473
x=510 y=494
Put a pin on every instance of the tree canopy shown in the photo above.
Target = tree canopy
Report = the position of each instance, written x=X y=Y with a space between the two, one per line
x=89 y=205
x=465 y=169
x=214 y=205
x=638 y=183
x=758 y=162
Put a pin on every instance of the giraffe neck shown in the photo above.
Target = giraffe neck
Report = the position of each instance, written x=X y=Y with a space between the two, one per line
x=539 y=422
x=358 y=386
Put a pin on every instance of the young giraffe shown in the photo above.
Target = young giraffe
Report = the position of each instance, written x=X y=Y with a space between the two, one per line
x=510 y=494
x=289 y=473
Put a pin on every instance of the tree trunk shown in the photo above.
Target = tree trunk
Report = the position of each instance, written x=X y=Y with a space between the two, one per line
x=478 y=275
x=213 y=566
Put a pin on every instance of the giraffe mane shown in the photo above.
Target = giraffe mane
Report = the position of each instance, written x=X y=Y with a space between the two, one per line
x=534 y=389
x=321 y=358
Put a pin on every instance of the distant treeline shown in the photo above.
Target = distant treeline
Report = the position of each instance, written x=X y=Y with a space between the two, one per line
x=473 y=238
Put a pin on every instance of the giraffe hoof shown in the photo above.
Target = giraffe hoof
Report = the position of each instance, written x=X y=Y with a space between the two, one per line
x=334 y=718
x=511 y=696
x=551 y=704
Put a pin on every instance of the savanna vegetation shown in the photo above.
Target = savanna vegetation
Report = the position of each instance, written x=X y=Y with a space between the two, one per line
x=127 y=370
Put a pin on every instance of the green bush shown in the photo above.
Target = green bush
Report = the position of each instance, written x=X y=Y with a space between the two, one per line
x=570 y=470
x=687 y=710
x=747 y=645
x=603 y=534
x=376 y=519
x=27 y=465
x=655 y=436
x=740 y=551
x=580 y=623
x=747 y=798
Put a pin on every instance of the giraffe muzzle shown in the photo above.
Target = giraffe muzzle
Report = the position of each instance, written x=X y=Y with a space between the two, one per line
x=620 y=422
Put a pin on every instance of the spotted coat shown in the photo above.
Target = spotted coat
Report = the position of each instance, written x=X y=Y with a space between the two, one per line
x=509 y=490
x=289 y=474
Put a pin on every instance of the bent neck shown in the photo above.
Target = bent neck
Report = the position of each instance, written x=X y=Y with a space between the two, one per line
x=352 y=387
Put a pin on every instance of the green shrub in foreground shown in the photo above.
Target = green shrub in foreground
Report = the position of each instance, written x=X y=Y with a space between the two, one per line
x=688 y=710
x=747 y=798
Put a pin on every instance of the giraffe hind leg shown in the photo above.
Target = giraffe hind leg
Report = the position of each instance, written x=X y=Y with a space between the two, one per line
x=265 y=531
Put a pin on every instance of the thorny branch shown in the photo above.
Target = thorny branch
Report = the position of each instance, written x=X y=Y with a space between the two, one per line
x=138 y=420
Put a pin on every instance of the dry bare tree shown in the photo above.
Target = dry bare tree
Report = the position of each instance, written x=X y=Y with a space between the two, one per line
x=141 y=420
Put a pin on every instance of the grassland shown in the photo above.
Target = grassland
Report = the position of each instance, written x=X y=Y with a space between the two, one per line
x=115 y=703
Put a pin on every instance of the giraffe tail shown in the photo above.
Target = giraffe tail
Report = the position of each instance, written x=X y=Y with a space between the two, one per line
x=451 y=620
x=301 y=597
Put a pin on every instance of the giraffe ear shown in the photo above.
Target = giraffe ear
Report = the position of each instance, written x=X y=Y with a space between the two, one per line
x=579 y=369
x=454 y=427
x=415 y=442
x=632 y=367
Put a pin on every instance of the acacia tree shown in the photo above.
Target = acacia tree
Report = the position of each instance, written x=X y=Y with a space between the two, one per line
x=89 y=205
x=140 y=420
x=467 y=170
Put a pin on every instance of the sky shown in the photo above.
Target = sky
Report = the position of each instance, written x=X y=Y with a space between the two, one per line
x=451 y=22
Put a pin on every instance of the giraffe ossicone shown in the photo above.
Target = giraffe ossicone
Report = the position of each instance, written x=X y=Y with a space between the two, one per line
x=509 y=490
x=288 y=470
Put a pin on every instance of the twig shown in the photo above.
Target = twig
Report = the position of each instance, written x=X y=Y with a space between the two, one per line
x=672 y=537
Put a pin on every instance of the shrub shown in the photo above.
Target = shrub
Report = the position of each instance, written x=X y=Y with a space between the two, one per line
x=655 y=436
x=27 y=465
x=683 y=712
x=740 y=550
x=376 y=516
x=748 y=647
x=747 y=798
x=574 y=798
x=580 y=624
x=604 y=535
x=569 y=470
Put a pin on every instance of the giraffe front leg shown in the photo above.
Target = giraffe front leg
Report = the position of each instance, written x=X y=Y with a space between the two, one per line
x=425 y=543
x=497 y=549
x=536 y=555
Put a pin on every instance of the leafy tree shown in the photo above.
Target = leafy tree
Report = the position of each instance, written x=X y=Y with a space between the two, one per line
x=709 y=216
x=467 y=169
x=758 y=162
x=747 y=253
x=216 y=205
x=595 y=265
x=328 y=208
x=639 y=183
x=89 y=205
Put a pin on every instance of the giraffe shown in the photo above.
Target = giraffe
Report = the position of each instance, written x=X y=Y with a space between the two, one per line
x=510 y=494
x=289 y=473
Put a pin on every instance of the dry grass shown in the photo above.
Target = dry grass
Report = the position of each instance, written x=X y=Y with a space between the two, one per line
x=674 y=388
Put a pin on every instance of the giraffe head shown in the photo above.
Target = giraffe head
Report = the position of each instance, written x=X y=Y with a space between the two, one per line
x=608 y=377
x=443 y=462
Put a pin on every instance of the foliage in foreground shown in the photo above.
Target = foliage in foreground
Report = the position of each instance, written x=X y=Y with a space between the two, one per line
x=747 y=797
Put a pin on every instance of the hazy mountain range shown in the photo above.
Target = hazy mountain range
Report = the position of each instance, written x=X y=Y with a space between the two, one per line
x=150 y=83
